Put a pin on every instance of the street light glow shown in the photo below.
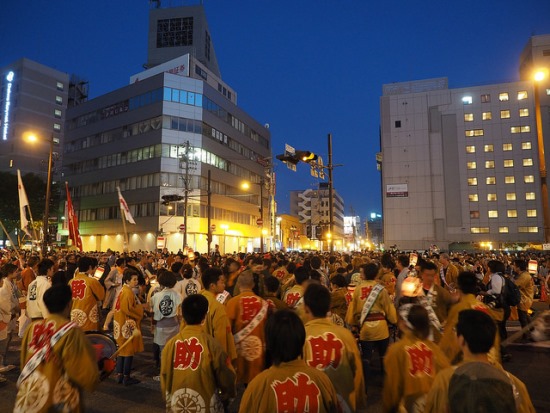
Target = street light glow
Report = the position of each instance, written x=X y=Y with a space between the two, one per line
x=540 y=75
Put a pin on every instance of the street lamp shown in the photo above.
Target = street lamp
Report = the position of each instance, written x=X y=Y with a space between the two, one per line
x=539 y=76
x=34 y=138
x=260 y=221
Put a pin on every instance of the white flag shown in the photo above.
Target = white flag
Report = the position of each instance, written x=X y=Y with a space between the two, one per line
x=23 y=202
x=124 y=208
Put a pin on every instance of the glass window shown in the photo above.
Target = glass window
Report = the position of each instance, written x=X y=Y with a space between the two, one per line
x=506 y=147
x=468 y=117
x=473 y=198
x=526 y=145
x=531 y=213
x=529 y=179
x=175 y=95
x=60 y=86
x=486 y=116
x=491 y=197
x=523 y=113
x=474 y=214
x=491 y=180
x=528 y=162
x=522 y=94
x=479 y=230
x=492 y=214
x=512 y=213
x=509 y=179
x=57 y=113
x=503 y=230
x=508 y=163
x=503 y=97
x=488 y=148
x=485 y=98
x=59 y=100
x=515 y=129
x=470 y=149
x=478 y=132
x=472 y=181
x=471 y=165
x=528 y=229
x=489 y=164
x=525 y=129
x=469 y=132
x=467 y=100
x=530 y=196
x=511 y=196
x=56 y=127
x=167 y=94
x=504 y=114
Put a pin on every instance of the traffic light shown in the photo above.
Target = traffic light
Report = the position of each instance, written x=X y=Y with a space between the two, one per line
x=308 y=231
x=167 y=199
x=306 y=156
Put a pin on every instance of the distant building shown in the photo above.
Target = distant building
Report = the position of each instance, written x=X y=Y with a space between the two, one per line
x=461 y=166
x=353 y=233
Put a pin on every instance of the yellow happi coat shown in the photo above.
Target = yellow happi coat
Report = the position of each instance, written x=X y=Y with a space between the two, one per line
x=333 y=349
x=194 y=368
x=411 y=365
x=217 y=324
x=69 y=368
x=290 y=387
x=87 y=291
x=242 y=310
x=128 y=315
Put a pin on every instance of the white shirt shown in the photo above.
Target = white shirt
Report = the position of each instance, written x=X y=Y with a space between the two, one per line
x=35 y=302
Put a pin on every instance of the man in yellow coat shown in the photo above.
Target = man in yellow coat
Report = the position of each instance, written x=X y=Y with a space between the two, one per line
x=196 y=374
x=87 y=292
x=333 y=349
x=57 y=360
x=247 y=314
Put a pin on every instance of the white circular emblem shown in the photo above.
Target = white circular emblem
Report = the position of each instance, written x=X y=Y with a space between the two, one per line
x=94 y=314
x=187 y=401
x=33 y=393
x=250 y=348
x=65 y=396
x=116 y=330
x=128 y=328
x=79 y=317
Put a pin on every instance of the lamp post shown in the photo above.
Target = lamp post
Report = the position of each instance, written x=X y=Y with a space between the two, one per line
x=539 y=77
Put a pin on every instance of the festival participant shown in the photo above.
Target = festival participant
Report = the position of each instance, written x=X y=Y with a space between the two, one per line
x=9 y=309
x=29 y=274
x=272 y=287
x=524 y=281
x=188 y=285
x=386 y=277
x=217 y=323
x=127 y=318
x=338 y=301
x=402 y=265
x=448 y=273
x=195 y=368
x=87 y=293
x=411 y=363
x=256 y=269
x=231 y=269
x=369 y=312
x=35 y=305
x=113 y=283
x=289 y=385
x=477 y=384
x=57 y=360
x=247 y=314
x=333 y=349
x=293 y=297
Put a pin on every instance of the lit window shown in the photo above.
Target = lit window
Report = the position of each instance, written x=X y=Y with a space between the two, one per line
x=57 y=113
x=509 y=180
x=522 y=94
x=469 y=132
x=523 y=113
x=503 y=97
x=485 y=98
x=515 y=129
x=59 y=100
x=56 y=127
x=479 y=230
x=473 y=198
x=529 y=179
x=60 y=86
x=474 y=214
x=470 y=149
x=491 y=180
x=504 y=114
x=491 y=197
x=488 y=148
x=508 y=163
x=528 y=162
x=530 y=196
x=506 y=147
x=503 y=230
x=512 y=213
x=492 y=214
x=478 y=132
x=526 y=145
x=486 y=116
x=531 y=213
x=525 y=129
x=472 y=181
x=489 y=164
x=471 y=165
x=468 y=117
x=528 y=229
x=511 y=196
x=547 y=92
x=467 y=100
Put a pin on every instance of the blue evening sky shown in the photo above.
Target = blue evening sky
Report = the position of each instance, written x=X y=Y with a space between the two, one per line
x=306 y=67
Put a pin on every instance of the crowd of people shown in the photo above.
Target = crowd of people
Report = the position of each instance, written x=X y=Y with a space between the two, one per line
x=295 y=331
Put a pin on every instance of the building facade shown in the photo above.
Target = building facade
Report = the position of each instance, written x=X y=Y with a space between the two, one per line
x=461 y=166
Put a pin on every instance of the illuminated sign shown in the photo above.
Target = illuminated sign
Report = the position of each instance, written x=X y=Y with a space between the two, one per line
x=7 y=104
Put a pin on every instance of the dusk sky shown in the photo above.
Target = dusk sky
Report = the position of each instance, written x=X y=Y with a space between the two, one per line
x=306 y=67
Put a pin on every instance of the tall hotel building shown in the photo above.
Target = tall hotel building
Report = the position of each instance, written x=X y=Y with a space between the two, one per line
x=461 y=166
x=173 y=126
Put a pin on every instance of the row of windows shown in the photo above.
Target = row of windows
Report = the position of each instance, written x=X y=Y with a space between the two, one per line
x=513 y=130
x=505 y=147
x=508 y=163
x=147 y=209
x=510 y=196
x=492 y=180
x=510 y=213
x=502 y=230
x=504 y=114
x=502 y=97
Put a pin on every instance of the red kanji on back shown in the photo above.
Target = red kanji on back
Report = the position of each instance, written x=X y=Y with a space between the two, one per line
x=292 y=299
x=188 y=354
x=326 y=350
x=296 y=394
x=365 y=291
x=250 y=307
x=420 y=360
x=41 y=335
x=79 y=289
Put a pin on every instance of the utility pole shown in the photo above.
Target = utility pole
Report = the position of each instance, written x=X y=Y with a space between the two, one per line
x=186 y=184
x=330 y=193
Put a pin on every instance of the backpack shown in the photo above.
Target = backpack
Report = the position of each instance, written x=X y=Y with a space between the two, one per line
x=511 y=295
